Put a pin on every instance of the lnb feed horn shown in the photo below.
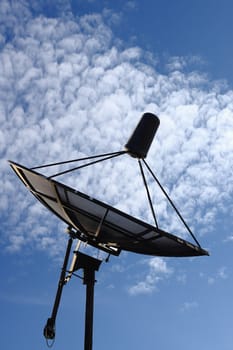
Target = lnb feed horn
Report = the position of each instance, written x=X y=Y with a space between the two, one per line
x=140 y=141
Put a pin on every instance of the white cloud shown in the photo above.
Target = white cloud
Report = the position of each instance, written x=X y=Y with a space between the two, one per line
x=229 y=239
x=158 y=270
x=182 y=278
x=189 y=305
x=118 y=268
x=67 y=89
x=219 y=275
x=177 y=63
x=131 y=5
x=211 y=280
x=222 y=273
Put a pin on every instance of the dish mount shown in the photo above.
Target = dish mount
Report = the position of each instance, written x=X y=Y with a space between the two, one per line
x=101 y=225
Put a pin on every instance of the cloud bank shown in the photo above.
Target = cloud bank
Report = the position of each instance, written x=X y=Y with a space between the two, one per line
x=69 y=88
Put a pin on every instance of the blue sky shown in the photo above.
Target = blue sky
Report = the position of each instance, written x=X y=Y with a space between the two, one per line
x=75 y=79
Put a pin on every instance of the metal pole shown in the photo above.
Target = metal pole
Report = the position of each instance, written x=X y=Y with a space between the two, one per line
x=89 y=280
x=89 y=266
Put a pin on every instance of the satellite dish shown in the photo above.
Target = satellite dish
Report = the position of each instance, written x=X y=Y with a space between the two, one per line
x=101 y=225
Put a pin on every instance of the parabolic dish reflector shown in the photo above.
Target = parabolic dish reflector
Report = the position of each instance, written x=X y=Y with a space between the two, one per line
x=100 y=224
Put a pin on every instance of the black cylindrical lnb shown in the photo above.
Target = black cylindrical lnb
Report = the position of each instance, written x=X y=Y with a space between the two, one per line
x=139 y=143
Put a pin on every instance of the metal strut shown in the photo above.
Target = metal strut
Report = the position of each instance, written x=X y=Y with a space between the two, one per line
x=172 y=204
x=49 y=329
x=148 y=193
x=103 y=157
